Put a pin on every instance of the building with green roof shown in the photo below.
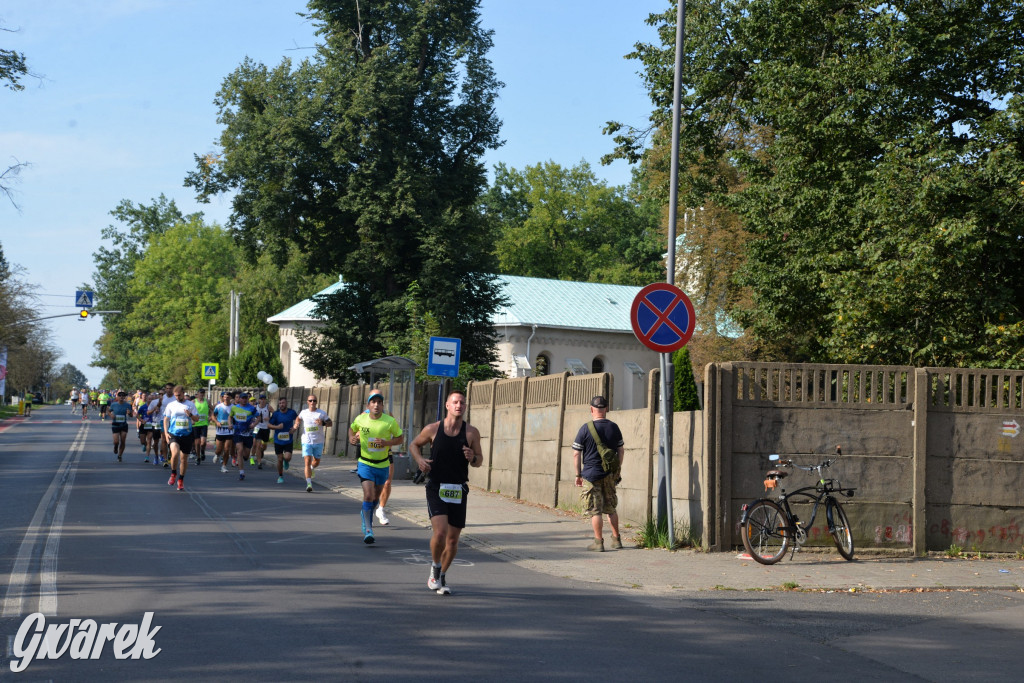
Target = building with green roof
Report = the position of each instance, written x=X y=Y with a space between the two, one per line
x=547 y=326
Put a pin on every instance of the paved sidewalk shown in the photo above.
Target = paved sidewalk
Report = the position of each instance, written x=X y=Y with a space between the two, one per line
x=554 y=541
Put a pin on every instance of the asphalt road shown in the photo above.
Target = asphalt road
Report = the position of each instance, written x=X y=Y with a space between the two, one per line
x=258 y=581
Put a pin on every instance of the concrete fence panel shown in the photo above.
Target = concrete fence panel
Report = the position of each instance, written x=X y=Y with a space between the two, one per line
x=481 y=416
x=542 y=439
x=507 y=437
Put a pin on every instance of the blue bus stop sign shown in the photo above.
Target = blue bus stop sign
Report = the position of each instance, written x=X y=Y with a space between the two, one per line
x=443 y=357
x=662 y=317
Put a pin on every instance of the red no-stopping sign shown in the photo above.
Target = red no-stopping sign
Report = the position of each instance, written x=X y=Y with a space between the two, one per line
x=662 y=317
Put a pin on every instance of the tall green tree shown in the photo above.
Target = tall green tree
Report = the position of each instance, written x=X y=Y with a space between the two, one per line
x=566 y=224
x=136 y=224
x=684 y=391
x=66 y=378
x=879 y=152
x=268 y=287
x=180 y=288
x=368 y=156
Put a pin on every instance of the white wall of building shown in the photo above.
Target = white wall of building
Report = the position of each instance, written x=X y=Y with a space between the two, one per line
x=296 y=374
x=613 y=349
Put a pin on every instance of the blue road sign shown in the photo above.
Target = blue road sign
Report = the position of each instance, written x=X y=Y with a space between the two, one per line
x=443 y=357
x=662 y=317
x=83 y=298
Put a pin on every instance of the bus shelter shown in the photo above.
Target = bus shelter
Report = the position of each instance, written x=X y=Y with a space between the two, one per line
x=401 y=395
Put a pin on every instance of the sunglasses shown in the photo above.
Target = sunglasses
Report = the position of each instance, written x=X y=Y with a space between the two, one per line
x=310 y=400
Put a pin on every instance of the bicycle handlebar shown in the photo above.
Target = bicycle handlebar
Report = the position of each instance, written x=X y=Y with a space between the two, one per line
x=809 y=468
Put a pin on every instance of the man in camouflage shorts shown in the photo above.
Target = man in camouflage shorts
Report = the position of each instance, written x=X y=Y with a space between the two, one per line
x=599 y=493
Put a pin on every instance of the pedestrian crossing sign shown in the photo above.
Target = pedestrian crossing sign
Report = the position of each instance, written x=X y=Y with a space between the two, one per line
x=211 y=371
x=83 y=298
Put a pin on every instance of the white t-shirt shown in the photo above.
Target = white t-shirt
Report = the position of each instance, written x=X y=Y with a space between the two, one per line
x=312 y=433
x=157 y=407
x=179 y=423
x=264 y=414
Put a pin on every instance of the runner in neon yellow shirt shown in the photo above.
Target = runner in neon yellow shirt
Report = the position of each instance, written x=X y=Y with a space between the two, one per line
x=375 y=432
x=104 y=399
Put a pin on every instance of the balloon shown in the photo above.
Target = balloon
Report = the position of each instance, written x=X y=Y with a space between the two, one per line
x=272 y=388
x=268 y=378
x=261 y=375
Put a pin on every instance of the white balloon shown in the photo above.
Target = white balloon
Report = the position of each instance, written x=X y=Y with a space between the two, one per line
x=261 y=376
x=272 y=388
x=268 y=378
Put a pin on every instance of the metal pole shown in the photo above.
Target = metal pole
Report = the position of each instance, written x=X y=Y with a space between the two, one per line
x=667 y=370
x=231 y=326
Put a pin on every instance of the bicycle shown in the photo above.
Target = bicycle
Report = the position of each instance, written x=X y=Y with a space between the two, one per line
x=769 y=527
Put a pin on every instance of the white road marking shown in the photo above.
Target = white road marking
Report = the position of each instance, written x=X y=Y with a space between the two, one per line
x=14 y=598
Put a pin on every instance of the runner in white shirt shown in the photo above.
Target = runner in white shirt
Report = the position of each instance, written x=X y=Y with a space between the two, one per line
x=74 y=401
x=179 y=415
x=313 y=421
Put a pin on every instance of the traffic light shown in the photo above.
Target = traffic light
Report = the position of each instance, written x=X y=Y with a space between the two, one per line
x=83 y=314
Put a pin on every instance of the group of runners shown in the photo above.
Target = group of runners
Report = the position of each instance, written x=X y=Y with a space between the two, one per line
x=172 y=428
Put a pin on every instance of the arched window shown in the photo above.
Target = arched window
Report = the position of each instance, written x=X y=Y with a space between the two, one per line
x=597 y=365
x=541 y=365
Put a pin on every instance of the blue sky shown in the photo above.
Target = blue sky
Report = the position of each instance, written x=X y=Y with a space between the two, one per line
x=126 y=99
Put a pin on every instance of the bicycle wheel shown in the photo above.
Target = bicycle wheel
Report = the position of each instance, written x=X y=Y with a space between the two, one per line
x=764 y=533
x=839 y=527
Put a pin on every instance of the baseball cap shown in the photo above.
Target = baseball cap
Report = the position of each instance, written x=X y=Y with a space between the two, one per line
x=375 y=395
x=263 y=395
x=599 y=402
x=244 y=394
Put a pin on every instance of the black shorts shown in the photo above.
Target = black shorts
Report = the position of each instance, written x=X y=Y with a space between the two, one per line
x=225 y=437
x=262 y=435
x=456 y=512
x=282 y=448
x=246 y=441
x=184 y=442
x=199 y=432
x=117 y=427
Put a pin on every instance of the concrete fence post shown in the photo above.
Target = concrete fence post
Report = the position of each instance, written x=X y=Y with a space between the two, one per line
x=563 y=383
x=522 y=435
x=919 y=502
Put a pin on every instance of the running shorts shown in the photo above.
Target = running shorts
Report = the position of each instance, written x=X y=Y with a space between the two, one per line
x=378 y=475
x=184 y=442
x=456 y=512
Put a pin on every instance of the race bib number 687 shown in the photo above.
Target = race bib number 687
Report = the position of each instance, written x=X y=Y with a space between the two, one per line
x=451 y=493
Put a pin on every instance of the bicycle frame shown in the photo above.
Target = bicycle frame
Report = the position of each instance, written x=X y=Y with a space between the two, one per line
x=821 y=495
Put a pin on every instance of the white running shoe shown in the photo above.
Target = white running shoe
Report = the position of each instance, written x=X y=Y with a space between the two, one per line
x=382 y=516
x=444 y=589
x=223 y=469
x=433 y=581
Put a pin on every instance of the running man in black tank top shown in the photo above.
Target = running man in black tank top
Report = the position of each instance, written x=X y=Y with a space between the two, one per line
x=455 y=445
